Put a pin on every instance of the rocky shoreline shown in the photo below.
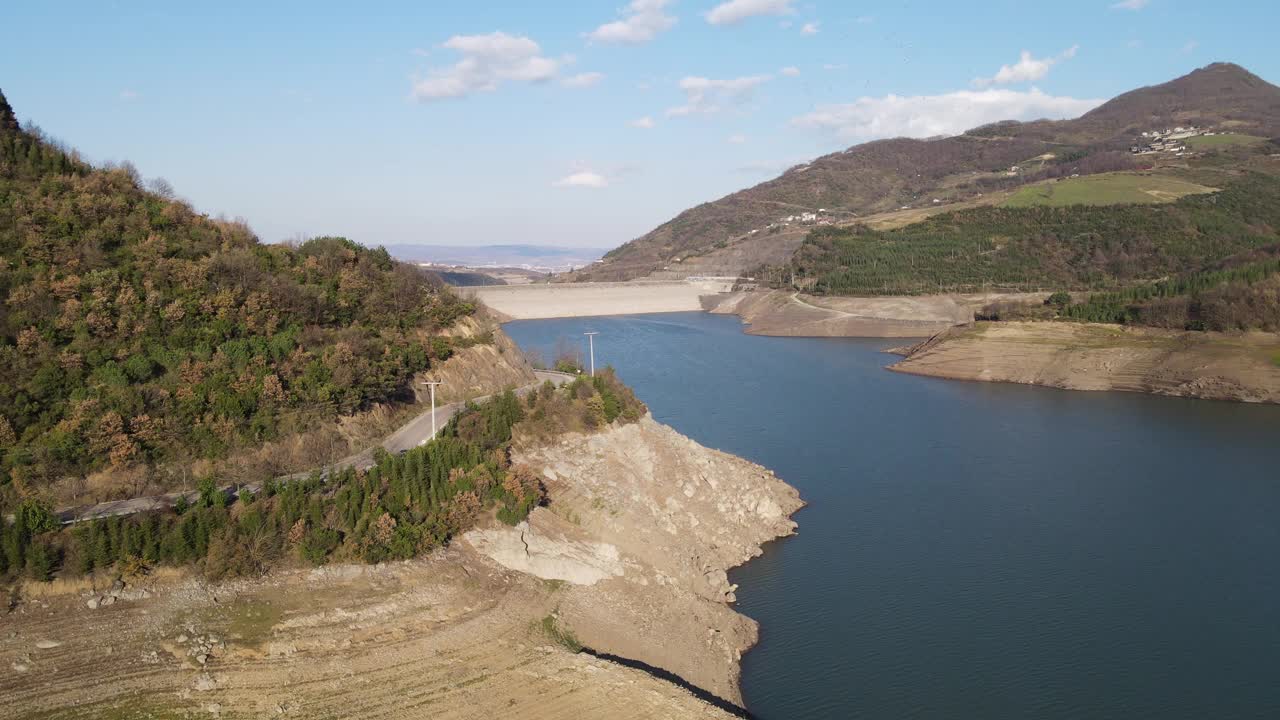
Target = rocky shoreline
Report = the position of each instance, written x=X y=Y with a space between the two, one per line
x=643 y=525
x=1241 y=367
x=791 y=314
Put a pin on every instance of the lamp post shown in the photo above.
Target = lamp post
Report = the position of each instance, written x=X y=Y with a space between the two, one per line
x=433 y=384
x=591 y=341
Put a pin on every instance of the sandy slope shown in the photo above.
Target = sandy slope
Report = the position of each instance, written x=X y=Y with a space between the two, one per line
x=1106 y=357
x=446 y=637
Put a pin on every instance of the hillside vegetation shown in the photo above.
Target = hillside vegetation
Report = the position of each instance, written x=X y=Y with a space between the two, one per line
x=404 y=505
x=134 y=330
x=1244 y=294
x=1040 y=247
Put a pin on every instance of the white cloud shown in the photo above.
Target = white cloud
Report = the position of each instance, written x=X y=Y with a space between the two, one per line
x=789 y=71
x=644 y=123
x=810 y=29
x=1131 y=4
x=1191 y=46
x=921 y=116
x=832 y=66
x=583 y=80
x=737 y=139
x=420 y=52
x=642 y=21
x=1026 y=69
x=706 y=96
x=128 y=95
x=487 y=62
x=735 y=11
x=583 y=179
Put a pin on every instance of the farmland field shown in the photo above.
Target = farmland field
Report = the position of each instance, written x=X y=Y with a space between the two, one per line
x=1106 y=189
x=1209 y=142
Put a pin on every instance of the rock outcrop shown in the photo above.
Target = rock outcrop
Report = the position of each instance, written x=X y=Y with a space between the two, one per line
x=481 y=369
x=643 y=524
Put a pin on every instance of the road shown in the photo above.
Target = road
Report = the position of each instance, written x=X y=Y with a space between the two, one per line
x=410 y=435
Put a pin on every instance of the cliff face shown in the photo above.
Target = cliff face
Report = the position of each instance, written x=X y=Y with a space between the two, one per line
x=641 y=526
x=1078 y=356
x=478 y=370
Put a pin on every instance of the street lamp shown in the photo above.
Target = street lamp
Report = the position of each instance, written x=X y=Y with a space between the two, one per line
x=591 y=340
x=433 y=384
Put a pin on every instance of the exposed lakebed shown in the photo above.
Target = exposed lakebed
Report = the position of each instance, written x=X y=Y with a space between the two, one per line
x=972 y=549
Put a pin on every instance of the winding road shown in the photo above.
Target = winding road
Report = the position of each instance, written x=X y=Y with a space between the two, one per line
x=410 y=435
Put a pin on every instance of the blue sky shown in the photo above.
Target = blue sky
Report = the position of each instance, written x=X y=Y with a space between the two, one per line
x=584 y=123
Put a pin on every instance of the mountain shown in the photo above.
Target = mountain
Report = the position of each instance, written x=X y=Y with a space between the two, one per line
x=733 y=234
x=135 y=331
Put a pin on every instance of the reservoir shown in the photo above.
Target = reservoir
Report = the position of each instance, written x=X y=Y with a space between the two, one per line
x=973 y=549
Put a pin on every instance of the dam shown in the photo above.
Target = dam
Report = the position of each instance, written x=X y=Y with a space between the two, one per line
x=561 y=300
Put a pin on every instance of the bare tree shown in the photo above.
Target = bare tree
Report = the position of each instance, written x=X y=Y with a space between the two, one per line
x=161 y=187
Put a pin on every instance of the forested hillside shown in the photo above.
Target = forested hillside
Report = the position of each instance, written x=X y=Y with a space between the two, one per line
x=135 y=330
x=1040 y=248
x=1243 y=294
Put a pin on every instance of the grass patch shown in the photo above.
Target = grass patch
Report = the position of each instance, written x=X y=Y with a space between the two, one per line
x=561 y=635
x=1106 y=189
x=1275 y=359
x=251 y=622
x=1209 y=142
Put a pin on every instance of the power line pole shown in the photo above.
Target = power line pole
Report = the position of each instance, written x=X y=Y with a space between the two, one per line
x=591 y=340
x=433 y=384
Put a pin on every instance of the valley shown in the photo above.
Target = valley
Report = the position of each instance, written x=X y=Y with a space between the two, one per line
x=313 y=478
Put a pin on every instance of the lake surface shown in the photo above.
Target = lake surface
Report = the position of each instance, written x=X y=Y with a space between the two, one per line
x=976 y=550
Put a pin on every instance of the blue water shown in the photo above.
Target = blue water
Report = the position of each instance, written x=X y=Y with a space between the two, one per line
x=976 y=550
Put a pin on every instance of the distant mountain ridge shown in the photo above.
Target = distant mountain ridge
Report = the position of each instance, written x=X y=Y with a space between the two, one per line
x=885 y=175
x=514 y=255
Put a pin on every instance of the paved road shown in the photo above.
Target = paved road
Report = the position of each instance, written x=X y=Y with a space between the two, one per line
x=410 y=435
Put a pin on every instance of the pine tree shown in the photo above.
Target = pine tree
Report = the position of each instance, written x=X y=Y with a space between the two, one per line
x=40 y=561
x=8 y=121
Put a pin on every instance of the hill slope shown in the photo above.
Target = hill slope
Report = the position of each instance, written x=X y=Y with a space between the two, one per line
x=1040 y=247
x=888 y=174
x=134 y=330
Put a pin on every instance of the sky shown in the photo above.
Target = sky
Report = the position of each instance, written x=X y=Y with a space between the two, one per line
x=561 y=123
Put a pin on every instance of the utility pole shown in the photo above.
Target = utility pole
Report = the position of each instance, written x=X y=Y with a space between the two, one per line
x=433 y=384
x=591 y=340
